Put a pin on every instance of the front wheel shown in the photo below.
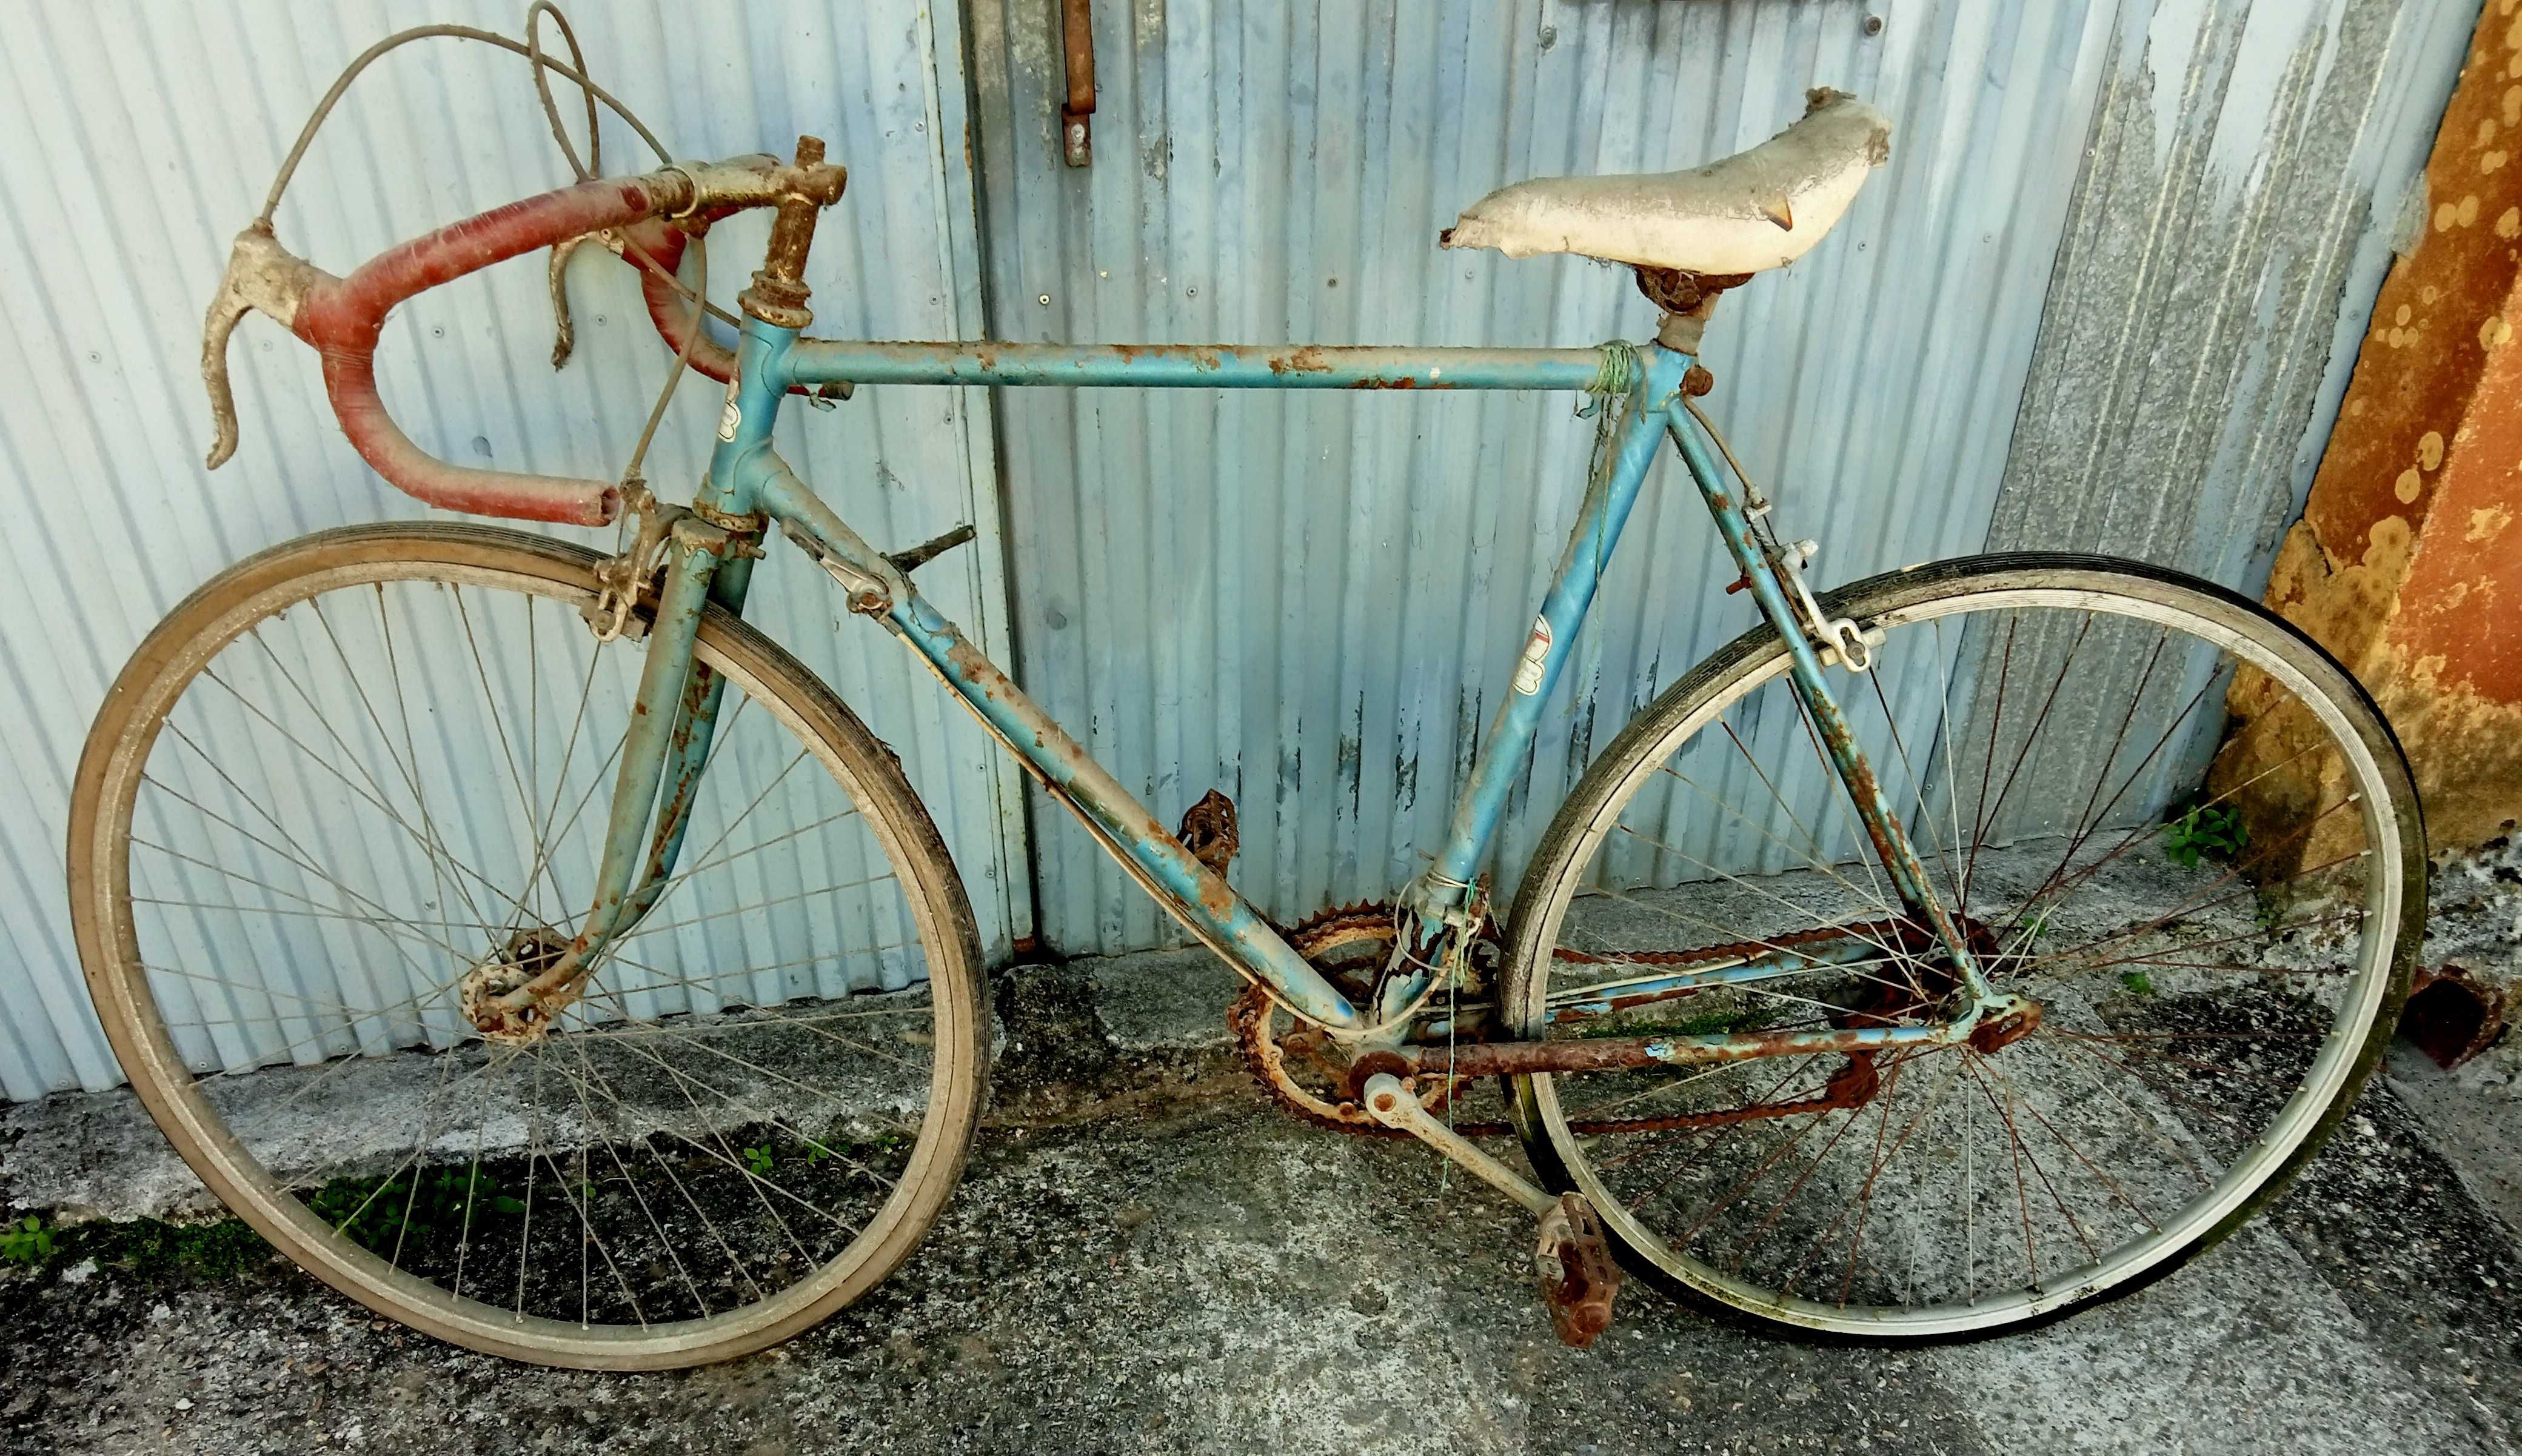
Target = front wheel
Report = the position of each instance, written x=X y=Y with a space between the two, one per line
x=2156 y=809
x=351 y=775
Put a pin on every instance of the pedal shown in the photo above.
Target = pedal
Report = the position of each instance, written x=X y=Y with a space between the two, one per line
x=1208 y=831
x=1580 y=1277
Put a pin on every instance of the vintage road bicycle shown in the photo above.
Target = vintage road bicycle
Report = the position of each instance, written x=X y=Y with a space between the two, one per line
x=536 y=953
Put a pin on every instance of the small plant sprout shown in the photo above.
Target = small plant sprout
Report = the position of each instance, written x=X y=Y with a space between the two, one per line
x=759 y=1159
x=379 y=1214
x=25 y=1242
x=2202 y=830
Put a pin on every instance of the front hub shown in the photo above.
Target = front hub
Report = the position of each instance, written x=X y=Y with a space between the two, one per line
x=482 y=991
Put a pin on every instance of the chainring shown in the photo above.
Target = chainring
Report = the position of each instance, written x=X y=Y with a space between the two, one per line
x=1299 y=1066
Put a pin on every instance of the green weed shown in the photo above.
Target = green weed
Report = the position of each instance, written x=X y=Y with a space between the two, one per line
x=158 y=1250
x=2207 y=831
x=146 y=1248
x=25 y=1242
x=377 y=1214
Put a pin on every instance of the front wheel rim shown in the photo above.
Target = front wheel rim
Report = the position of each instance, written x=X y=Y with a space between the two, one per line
x=557 y=578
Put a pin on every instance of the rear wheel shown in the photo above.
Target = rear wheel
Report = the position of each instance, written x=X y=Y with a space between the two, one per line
x=2158 y=811
x=350 y=772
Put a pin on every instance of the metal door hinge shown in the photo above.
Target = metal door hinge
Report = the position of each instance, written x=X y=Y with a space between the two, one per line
x=1076 y=41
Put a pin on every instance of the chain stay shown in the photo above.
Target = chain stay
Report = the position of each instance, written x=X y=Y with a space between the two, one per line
x=1250 y=1016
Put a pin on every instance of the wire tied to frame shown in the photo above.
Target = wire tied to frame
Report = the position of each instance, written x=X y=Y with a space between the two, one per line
x=1616 y=375
x=1607 y=402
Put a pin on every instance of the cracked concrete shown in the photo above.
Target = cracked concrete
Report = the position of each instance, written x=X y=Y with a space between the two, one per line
x=1144 y=1255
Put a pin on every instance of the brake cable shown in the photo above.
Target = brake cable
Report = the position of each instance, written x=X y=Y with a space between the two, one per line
x=575 y=72
x=351 y=73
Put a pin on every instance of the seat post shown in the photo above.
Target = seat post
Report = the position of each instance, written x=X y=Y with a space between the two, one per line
x=1681 y=331
x=1686 y=299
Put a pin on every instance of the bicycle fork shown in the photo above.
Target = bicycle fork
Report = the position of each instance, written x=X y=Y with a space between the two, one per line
x=708 y=550
x=515 y=995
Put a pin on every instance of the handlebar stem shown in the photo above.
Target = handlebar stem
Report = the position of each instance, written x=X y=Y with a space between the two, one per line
x=778 y=292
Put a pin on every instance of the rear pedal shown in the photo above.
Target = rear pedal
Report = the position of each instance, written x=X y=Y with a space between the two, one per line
x=1580 y=1277
x=1208 y=831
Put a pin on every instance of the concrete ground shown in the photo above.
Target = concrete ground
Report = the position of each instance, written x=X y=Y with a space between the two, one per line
x=1145 y=1256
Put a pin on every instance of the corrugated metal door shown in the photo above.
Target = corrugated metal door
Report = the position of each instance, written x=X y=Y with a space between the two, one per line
x=142 y=137
x=1313 y=602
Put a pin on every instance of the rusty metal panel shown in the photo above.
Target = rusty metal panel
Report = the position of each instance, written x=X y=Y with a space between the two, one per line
x=143 y=137
x=1312 y=603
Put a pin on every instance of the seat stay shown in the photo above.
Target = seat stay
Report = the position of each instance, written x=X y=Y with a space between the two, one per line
x=1891 y=844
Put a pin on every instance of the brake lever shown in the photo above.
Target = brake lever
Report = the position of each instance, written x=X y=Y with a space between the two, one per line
x=264 y=278
x=564 y=332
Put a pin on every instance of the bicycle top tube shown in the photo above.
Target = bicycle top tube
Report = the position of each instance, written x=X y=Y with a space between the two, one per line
x=1277 y=366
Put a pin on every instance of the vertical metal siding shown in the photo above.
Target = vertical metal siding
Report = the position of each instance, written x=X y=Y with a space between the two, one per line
x=1313 y=602
x=2253 y=166
x=1308 y=601
x=144 y=137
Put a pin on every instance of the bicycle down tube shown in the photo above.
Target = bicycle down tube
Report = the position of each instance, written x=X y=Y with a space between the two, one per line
x=670 y=736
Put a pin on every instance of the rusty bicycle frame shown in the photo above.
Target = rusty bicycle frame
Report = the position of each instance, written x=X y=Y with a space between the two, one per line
x=708 y=551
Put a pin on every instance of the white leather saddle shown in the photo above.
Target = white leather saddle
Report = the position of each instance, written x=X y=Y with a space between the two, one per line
x=1760 y=209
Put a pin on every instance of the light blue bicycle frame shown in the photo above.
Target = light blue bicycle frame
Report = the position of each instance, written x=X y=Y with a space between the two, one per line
x=667 y=748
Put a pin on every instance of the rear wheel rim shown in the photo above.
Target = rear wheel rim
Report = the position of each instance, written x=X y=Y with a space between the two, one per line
x=1684 y=1248
x=702 y=1063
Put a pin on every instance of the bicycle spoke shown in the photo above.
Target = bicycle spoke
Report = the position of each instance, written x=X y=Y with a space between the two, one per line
x=665 y=1166
x=680 y=880
x=646 y=929
x=2190 y=981
x=658 y=1162
x=1987 y=767
x=541 y=869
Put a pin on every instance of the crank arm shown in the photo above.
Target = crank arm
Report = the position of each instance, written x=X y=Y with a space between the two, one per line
x=1577 y=1273
x=1387 y=1101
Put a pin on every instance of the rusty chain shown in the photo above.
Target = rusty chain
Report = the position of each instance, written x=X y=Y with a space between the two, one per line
x=1266 y=1055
